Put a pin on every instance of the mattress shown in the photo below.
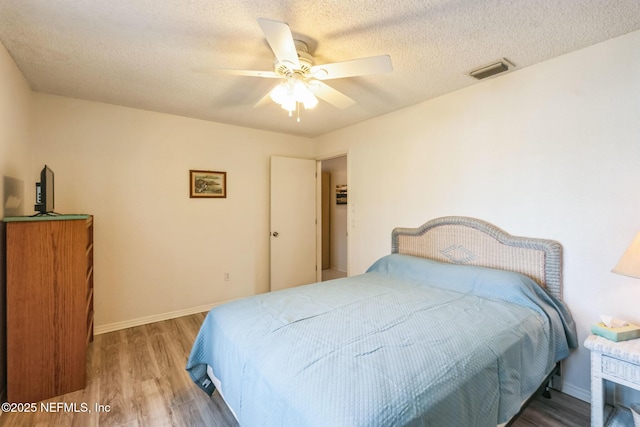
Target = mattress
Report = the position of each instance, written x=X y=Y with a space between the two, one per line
x=410 y=342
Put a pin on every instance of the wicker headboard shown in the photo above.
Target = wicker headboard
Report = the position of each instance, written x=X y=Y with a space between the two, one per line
x=462 y=240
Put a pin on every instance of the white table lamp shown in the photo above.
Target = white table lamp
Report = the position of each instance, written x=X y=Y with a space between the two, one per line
x=629 y=264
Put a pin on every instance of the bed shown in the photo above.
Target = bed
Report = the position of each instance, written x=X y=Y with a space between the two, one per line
x=459 y=325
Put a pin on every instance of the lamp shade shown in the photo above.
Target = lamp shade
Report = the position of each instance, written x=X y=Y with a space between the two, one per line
x=629 y=264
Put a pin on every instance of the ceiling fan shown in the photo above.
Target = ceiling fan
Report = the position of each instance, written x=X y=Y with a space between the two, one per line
x=301 y=79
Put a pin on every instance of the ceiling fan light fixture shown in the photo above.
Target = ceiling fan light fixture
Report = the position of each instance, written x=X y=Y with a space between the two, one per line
x=289 y=105
x=292 y=92
x=299 y=90
x=310 y=102
x=279 y=93
x=303 y=94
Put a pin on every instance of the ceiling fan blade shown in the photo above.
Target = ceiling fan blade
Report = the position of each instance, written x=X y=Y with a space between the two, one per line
x=355 y=67
x=249 y=73
x=329 y=94
x=280 y=39
x=264 y=100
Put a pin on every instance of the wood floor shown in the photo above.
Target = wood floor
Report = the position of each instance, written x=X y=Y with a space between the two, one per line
x=561 y=410
x=137 y=378
x=330 y=274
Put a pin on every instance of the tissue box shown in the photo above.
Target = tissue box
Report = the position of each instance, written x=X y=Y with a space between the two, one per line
x=624 y=333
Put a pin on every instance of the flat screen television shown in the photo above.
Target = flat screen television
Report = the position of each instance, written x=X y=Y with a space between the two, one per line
x=45 y=192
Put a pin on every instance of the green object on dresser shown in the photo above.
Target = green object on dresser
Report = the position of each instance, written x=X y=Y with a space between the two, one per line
x=623 y=333
x=33 y=218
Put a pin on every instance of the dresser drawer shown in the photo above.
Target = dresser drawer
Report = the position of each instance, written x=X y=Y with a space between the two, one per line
x=621 y=369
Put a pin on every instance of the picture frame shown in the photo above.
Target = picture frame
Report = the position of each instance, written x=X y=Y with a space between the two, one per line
x=341 y=194
x=207 y=184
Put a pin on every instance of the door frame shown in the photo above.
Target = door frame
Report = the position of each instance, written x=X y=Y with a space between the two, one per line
x=319 y=210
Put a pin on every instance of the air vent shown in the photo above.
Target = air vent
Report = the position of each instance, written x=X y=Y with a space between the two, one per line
x=491 y=69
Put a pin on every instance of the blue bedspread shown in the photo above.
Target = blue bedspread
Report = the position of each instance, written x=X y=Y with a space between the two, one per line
x=410 y=342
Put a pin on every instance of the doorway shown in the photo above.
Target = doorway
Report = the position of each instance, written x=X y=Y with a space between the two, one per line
x=334 y=202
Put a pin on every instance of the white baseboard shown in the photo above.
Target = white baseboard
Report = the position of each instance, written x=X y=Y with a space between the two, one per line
x=103 y=329
x=577 y=392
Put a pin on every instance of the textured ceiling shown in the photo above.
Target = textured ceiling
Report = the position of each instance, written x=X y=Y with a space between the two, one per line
x=140 y=53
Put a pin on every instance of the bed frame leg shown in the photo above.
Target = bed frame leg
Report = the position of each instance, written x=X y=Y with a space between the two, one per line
x=547 y=390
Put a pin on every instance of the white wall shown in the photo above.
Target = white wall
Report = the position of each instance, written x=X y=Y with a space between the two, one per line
x=337 y=167
x=15 y=101
x=156 y=250
x=550 y=151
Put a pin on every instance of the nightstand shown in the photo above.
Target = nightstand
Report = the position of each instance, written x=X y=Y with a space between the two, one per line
x=618 y=362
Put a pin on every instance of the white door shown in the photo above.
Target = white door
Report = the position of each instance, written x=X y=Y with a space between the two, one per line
x=293 y=222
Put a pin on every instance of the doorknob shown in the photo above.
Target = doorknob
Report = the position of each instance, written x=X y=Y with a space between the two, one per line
x=275 y=234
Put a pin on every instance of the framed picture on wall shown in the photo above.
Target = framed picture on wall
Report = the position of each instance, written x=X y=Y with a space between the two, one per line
x=207 y=184
x=341 y=194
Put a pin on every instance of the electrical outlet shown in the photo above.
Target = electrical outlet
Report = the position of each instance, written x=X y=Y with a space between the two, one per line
x=227 y=277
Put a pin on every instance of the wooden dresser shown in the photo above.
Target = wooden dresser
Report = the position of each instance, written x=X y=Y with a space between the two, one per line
x=49 y=304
